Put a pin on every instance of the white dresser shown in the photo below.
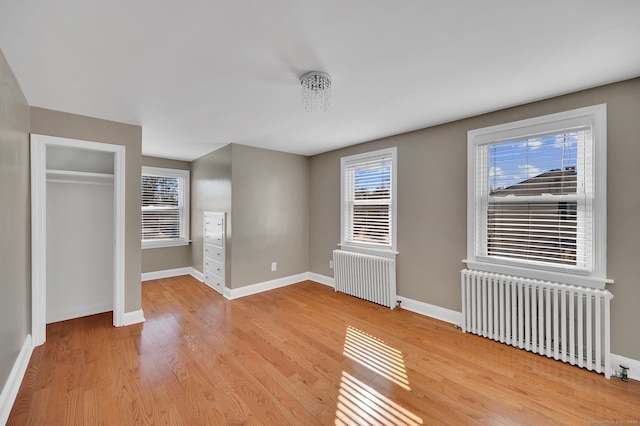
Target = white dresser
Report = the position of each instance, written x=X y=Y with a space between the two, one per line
x=214 y=250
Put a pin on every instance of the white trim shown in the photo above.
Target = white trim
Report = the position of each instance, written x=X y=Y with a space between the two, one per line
x=235 y=293
x=79 y=312
x=172 y=242
x=39 y=144
x=633 y=364
x=167 y=273
x=12 y=385
x=426 y=309
x=366 y=250
x=38 y=241
x=119 y=179
x=433 y=311
x=133 y=317
x=196 y=274
x=267 y=285
x=574 y=279
x=322 y=279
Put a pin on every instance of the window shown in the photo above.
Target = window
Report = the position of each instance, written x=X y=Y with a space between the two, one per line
x=165 y=207
x=368 y=200
x=537 y=199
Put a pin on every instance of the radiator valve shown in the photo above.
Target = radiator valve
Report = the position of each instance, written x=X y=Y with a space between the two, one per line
x=624 y=373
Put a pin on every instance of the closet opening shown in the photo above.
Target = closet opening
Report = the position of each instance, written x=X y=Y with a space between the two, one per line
x=77 y=230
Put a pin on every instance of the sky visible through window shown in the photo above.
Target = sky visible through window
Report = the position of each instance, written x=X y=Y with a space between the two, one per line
x=373 y=178
x=516 y=161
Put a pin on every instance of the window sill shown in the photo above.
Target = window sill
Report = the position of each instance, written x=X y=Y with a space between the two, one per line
x=164 y=243
x=368 y=250
x=539 y=274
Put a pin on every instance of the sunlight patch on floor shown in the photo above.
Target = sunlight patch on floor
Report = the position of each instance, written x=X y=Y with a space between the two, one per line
x=376 y=355
x=361 y=404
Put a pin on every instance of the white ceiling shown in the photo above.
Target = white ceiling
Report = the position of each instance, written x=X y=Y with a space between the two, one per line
x=199 y=74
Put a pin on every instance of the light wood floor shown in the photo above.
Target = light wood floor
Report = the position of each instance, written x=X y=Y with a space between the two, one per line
x=299 y=355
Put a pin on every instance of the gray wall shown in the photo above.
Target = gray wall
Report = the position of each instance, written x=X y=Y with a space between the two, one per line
x=210 y=191
x=270 y=207
x=61 y=124
x=266 y=196
x=160 y=259
x=15 y=221
x=432 y=204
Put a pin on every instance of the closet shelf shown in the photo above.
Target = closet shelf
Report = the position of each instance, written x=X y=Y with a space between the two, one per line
x=78 y=177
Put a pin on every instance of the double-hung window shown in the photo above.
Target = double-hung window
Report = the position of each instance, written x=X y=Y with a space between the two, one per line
x=537 y=197
x=165 y=207
x=368 y=200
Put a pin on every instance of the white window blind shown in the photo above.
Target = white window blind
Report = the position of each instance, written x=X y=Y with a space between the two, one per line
x=368 y=206
x=164 y=207
x=537 y=197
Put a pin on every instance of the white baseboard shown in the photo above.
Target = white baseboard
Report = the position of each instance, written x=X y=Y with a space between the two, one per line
x=633 y=364
x=433 y=311
x=234 y=293
x=167 y=273
x=322 y=279
x=79 y=312
x=133 y=317
x=12 y=385
x=196 y=274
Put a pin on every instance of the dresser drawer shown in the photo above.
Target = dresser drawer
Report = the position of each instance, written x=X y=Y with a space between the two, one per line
x=214 y=252
x=211 y=267
x=214 y=238
x=214 y=224
x=215 y=282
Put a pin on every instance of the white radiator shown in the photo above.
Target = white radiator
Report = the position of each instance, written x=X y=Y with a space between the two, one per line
x=566 y=322
x=366 y=276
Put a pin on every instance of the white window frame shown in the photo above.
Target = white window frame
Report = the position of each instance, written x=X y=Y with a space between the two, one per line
x=183 y=176
x=376 y=249
x=596 y=275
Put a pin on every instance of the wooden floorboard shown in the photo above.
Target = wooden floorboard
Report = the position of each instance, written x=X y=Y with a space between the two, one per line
x=298 y=355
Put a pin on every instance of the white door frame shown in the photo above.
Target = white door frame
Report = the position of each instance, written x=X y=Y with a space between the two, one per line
x=39 y=144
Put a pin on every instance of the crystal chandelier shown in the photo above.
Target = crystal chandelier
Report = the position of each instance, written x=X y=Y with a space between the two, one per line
x=316 y=90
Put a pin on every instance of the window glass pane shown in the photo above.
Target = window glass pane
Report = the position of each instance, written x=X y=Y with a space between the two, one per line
x=160 y=191
x=544 y=164
x=372 y=180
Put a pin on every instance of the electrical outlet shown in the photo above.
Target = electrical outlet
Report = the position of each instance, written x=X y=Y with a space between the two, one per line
x=331 y=264
x=274 y=266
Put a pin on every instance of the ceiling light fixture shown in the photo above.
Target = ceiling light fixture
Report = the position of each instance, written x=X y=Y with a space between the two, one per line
x=316 y=90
